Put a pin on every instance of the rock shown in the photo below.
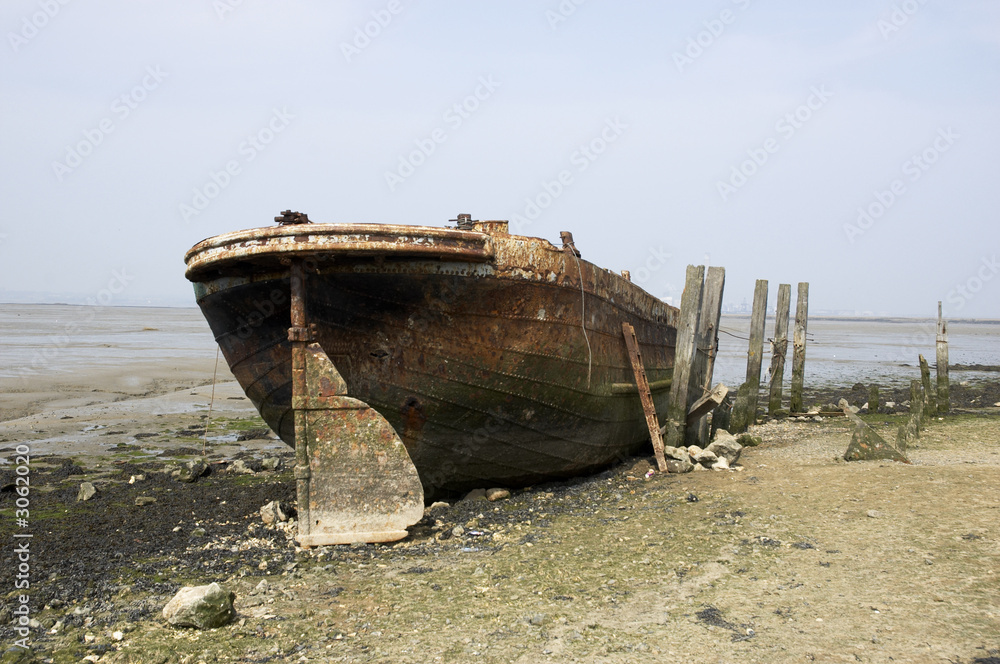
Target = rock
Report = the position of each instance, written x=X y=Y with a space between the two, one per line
x=867 y=445
x=890 y=404
x=721 y=464
x=136 y=478
x=538 y=619
x=694 y=451
x=271 y=463
x=87 y=491
x=436 y=506
x=198 y=532
x=118 y=636
x=725 y=445
x=142 y=501
x=679 y=466
x=273 y=512
x=749 y=440
x=191 y=470
x=202 y=607
x=475 y=494
x=706 y=458
x=817 y=418
x=874 y=514
x=496 y=494
x=457 y=531
x=678 y=453
x=239 y=467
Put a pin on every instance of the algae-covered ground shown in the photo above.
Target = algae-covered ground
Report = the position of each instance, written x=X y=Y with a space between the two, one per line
x=799 y=556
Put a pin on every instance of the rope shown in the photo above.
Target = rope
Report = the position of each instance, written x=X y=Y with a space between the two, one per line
x=583 y=313
x=215 y=372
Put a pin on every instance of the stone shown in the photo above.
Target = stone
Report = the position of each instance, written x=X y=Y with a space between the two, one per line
x=201 y=607
x=136 y=478
x=538 y=619
x=273 y=512
x=678 y=453
x=749 y=440
x=817 y=418
x=867 y=445
x=725 y=445
x=874 y=514
x=198 y=532
x=475 y=494
x=679 y=466
x=693 y=451
x=496 y=494
x=457 y=531
x=87 y=491
x=271 y=463
x=706 y=458
x=142 y=501
x=239 y=467
x=191 y=470
x=117 y=636
x=721 y=464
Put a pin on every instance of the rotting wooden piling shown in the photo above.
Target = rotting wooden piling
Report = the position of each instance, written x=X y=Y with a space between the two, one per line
x=799 y=347
x=706 y=349
x=755 y=352
x=687 y=329
x=930 y=402
x=943 y=396
x=779 y=348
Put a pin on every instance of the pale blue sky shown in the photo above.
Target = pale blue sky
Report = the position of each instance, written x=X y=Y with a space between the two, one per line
x=670 y=124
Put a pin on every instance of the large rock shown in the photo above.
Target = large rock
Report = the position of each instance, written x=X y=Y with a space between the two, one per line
x=192 y=470
x=679 y=466
x=678 y=453
x=202 y=607
x=87 y=491
x=274 y=512
x=725 y=446
x=706 y=458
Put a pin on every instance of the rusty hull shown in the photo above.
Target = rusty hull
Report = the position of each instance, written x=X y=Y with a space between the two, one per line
x=498 y=358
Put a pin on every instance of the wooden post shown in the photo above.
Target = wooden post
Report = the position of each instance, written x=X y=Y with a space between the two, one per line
x=779 y=348
x=943 y=398
x=872 y=399
x=755 y=353
x=799 y=347
x=930 y=402
x=707 y=346
x=687 y=332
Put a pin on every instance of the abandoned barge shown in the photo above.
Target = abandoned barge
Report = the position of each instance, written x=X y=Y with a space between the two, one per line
x=498 y=359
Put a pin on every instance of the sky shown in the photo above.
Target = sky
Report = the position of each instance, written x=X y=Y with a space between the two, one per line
x=852 y=145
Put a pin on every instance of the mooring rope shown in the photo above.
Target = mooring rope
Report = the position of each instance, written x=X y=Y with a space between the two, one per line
x=583 y=312
x=211 y=402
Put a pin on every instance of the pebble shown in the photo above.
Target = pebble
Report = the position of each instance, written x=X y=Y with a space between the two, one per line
x=118 y=636
x=496 y=494
x=874 y=514
x=457 y=531
x=87 y=491
x=142 y=501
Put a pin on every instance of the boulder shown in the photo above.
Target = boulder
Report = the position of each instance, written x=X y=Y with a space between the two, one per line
x=271 y=463
x=239 y=467
x=679 y=466
x=720 y=464
x=677 y=453
x=496 y=494
x=693 y=451
x=274 y=512
x=190 y=471
x=202 y=607
x=706 y=458
x=725 y=445
x=87 y=491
